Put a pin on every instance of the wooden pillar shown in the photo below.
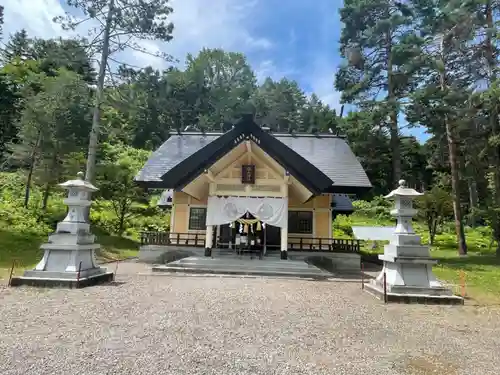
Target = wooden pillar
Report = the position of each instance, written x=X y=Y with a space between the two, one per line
x=209 y=240
x=264 y=228
x=284 y=243
x=284 y=231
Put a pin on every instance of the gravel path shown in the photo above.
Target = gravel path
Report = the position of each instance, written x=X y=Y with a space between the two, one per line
x=211 y=325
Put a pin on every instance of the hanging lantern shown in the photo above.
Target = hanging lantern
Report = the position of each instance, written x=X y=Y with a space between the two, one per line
x=259 y=226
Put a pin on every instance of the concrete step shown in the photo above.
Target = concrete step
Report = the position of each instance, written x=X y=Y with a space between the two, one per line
x=244 y=262
x=243 y=272
x=236 y=266
x=229 y=251
x=244 y=256
x=246 y=268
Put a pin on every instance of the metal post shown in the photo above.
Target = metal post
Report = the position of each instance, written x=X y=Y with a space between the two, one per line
x=78 y=275
x=385 y=288
x=11 y=272
x=116 y=268
x=462 y=284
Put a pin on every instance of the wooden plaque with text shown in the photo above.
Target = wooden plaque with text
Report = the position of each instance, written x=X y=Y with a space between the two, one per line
x=248 y=174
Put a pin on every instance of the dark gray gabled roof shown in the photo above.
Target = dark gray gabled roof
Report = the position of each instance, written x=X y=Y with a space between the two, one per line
x=342 y=203
x=328 y=153
x=173 y=151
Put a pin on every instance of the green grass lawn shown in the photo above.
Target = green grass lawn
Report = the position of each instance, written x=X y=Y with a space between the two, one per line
x=481 y=267
x=24 y=248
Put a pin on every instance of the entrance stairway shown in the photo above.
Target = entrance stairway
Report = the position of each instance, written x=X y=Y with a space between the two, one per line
x=232 y=253
x=228 y=264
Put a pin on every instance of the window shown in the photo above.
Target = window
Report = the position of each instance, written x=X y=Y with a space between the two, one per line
x=197 y=218
x=300 y=222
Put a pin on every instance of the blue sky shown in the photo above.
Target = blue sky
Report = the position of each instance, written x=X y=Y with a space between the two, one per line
x=298 y=40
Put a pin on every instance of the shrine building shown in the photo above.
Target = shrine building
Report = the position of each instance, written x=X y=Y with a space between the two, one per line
x=251 y=189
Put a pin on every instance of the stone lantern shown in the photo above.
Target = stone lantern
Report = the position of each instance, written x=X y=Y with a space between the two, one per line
x=69 y=255
x=407 y=264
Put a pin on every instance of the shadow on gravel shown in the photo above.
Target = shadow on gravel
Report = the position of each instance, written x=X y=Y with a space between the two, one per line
x=326 y=264
x=430 y=365
x=115 y=283
x=173 y=255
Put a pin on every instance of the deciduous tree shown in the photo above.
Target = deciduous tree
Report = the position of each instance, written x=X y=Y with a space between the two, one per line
x=118 y=25
x=117 y=170
x=54 y=123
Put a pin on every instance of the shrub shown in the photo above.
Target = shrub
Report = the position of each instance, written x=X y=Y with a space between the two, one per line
x=378 y=209
x=19 y=219
x=343 y=225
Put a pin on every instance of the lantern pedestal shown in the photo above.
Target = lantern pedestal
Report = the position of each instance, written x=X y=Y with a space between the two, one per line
x=407 y=272
x=69 y=255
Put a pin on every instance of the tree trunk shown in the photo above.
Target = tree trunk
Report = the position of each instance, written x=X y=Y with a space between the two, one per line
x=429 y=227
x=55 y=176
x=393 y=116
x=432 y=236
x=32 y=167
x=453 y=159
x=473 y=201
x=122 y=213
x=46 y=195
x=94 y=133
x=492 y=64
x=121 y=223
x=455 y=186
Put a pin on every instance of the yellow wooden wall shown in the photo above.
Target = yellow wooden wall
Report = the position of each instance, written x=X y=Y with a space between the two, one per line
x=180 y=213
x=321 y=217
x=319 y=205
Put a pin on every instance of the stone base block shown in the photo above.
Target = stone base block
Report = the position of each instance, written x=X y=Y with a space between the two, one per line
x=432 y=291
x=429 y=296
x=332 y=262
x=165 y=254
x=45 y=279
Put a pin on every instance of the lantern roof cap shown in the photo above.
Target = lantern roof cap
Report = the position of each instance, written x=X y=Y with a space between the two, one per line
x=403 y=191
x=79 y=183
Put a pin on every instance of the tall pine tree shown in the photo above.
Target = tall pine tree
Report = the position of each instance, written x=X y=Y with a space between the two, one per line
x=18 y=47
x=1 y=20
x=443 y=100
x=378 y=45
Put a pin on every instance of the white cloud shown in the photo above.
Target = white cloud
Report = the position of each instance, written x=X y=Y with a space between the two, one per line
x=226 y=24
x=268 y=68
x=265 y=69
x=33 y=15
x=220 y=24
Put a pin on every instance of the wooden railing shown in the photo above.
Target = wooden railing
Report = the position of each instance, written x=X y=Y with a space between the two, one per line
x=337 y=245
x=172 y=238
